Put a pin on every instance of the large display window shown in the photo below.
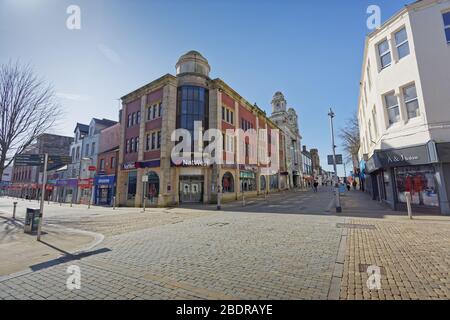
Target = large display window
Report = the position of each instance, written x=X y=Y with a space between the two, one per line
x=420 y=181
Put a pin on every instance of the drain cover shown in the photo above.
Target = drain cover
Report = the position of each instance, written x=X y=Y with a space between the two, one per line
x=217 y=224
x=355 y=226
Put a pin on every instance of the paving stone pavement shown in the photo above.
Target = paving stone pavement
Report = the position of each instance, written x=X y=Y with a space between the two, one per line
x=301 y=252
x=414 y=257
x=226 y=256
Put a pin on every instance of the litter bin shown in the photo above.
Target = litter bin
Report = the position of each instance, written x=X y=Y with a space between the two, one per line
x=32 y=218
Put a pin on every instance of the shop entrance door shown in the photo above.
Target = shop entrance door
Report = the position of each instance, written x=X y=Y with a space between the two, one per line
x=191 y=189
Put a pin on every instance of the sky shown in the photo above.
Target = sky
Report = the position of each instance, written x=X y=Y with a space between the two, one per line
x=312 y=51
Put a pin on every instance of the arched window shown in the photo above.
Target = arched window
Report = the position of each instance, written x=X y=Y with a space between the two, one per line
x=227 y=182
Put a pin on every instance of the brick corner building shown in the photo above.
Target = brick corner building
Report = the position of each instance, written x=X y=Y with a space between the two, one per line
x=149 y=116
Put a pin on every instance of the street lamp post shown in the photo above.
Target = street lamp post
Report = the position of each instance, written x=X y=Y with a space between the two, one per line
x=336 y=184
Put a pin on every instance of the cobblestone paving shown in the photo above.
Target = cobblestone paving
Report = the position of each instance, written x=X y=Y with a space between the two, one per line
x=226 y=256
x=414 y=256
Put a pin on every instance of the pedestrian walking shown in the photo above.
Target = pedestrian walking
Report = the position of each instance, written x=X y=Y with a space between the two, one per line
x=315 y=185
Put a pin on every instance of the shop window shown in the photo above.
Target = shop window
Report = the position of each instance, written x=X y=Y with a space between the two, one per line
x=274 y=181
x=227 y=182
x=132 y=182
x=262 y=181
x=419 y=180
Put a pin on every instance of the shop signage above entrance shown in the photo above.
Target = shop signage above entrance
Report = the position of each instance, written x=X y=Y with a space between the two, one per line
x=191 y=163
x=404 y=157
x=129 y=166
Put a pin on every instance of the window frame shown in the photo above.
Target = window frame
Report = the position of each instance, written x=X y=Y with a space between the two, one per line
x=446 y=26
x=392 y=107
x=381 y=55
x=398 y=45
x=411 y=100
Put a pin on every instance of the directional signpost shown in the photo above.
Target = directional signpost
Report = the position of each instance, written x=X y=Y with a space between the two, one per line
x=338 y=159
x=37 y=160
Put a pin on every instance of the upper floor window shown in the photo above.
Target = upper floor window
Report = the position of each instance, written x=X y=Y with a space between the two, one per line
x=127 y=149
x=113 y=162
x=138 y=117
x=411 y=101
x=93 y=148
x=102 y=164
x=401 y=42
x=446 y=17
x=369 y=79
x=375 y=122
x=86 y=152
x=227 y=115
x=129 y=121
x=136 y=144
x=153 y=141
x=392 y=107
x=154 y=111
x=246 y=125
x=385 y=54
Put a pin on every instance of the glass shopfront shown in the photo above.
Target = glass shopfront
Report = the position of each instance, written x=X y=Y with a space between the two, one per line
x=273 y=182
x=262 y=182
x=152 y=187
x=132 y=183
x=227 y=183
x=248 y=181
x=191 y=189
x=420 y=181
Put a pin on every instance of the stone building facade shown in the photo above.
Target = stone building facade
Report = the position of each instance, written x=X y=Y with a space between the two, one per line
x=151 y=114
x=287 y=121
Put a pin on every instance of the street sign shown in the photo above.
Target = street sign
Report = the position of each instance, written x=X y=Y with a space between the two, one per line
x=23 y=160
x=338 y=159
x=145 y=178
x=92 y=168
x=59 y=160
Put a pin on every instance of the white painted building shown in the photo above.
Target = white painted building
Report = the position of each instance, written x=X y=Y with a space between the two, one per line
x=404 y=107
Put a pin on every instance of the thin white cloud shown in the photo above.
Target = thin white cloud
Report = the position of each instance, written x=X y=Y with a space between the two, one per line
x=72 y=96
x=109 y=53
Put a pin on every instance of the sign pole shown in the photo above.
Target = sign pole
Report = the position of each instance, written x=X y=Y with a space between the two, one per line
x=41 y=211
x=336 y=190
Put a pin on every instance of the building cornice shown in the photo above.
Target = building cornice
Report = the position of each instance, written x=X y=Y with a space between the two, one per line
x=220 y=84
x=150 y=87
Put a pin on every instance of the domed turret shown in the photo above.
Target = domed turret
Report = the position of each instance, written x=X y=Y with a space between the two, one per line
x=193 y=62
x=278 y=102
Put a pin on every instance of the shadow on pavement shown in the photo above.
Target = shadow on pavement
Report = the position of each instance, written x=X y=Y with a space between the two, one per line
x=68 y=257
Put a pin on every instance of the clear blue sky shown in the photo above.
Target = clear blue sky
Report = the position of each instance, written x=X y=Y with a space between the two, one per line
x=310 y=50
